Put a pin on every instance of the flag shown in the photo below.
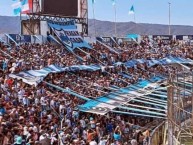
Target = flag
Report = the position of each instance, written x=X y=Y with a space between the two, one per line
x=17 y=8
x=113 y=2
x=93 y=1
x=26 y=6
x=132 y=10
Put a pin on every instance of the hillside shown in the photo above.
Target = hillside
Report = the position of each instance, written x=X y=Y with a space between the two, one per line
x=105 y=28
x=124 y=28
x=9 y=24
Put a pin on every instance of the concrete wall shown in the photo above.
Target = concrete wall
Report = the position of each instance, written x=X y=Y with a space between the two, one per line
x=44 y=28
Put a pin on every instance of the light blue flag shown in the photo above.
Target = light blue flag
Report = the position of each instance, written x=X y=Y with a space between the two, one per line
x=23 y=2
x=132 y=10
x=113 y=2
x=17 y=8
x=93 y=1
x=17 y=11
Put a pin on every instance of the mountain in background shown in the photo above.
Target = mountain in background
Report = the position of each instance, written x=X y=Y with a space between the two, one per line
x=10 y=25
x=106 y=28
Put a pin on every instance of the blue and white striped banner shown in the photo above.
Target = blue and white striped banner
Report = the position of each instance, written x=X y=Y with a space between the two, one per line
x=39 y=75
x=33 y=77
x=105 y=104
x=163 y=61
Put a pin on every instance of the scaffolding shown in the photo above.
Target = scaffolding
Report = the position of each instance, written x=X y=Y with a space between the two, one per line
x=180 y=105
x=32 y=25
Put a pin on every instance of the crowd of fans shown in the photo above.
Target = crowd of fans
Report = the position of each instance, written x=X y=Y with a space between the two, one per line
x=43 y=115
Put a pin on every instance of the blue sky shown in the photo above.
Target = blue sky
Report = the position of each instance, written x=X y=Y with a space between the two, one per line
x=146 y=11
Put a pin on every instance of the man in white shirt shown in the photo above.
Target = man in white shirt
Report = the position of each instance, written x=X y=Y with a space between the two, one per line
x=103 y=141
x=20 y=95
x=93 y=142
x=43 y=103
x=83 y=123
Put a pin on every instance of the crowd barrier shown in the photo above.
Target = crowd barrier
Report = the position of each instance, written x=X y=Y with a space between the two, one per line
x=157 y=135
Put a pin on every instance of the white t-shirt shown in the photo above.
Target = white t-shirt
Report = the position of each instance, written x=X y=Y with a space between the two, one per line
x=35 y=129
x=37 y=101
x=43 y=101
x=82 y=123
x=21 y=93
x=68 y=122
x=84 y=134
x=12 y=69
x=102 y=142
x=52 y=103
x=93 y=143
x=61 y=107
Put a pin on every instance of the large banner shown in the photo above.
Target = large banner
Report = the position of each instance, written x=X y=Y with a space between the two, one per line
x=184 y=37
x=163 y=61
x=105 y=104
x=165 y=38
x=69 y=35
x=110 y=41
x=34 y=77
x=21 y=38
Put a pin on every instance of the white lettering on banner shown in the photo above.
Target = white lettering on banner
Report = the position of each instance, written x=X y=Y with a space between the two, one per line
x=96 y=110
x=101 y=108
x=167 y=38
x=63 y=37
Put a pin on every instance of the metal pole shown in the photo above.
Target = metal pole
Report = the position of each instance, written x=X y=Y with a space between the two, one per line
x=169 y=18
x=134 y=18
x=192 y=100
x=170 y=110
x=20 y=17
x=135 y=23
x=94 y=18
x=115 y=20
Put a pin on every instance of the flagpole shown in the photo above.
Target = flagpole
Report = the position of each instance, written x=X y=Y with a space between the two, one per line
x=169 y=27
x=94 y=18
x=134 y=18
x=20 y=18
x=115 y=19
x=20 y=25
x=132 y=11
